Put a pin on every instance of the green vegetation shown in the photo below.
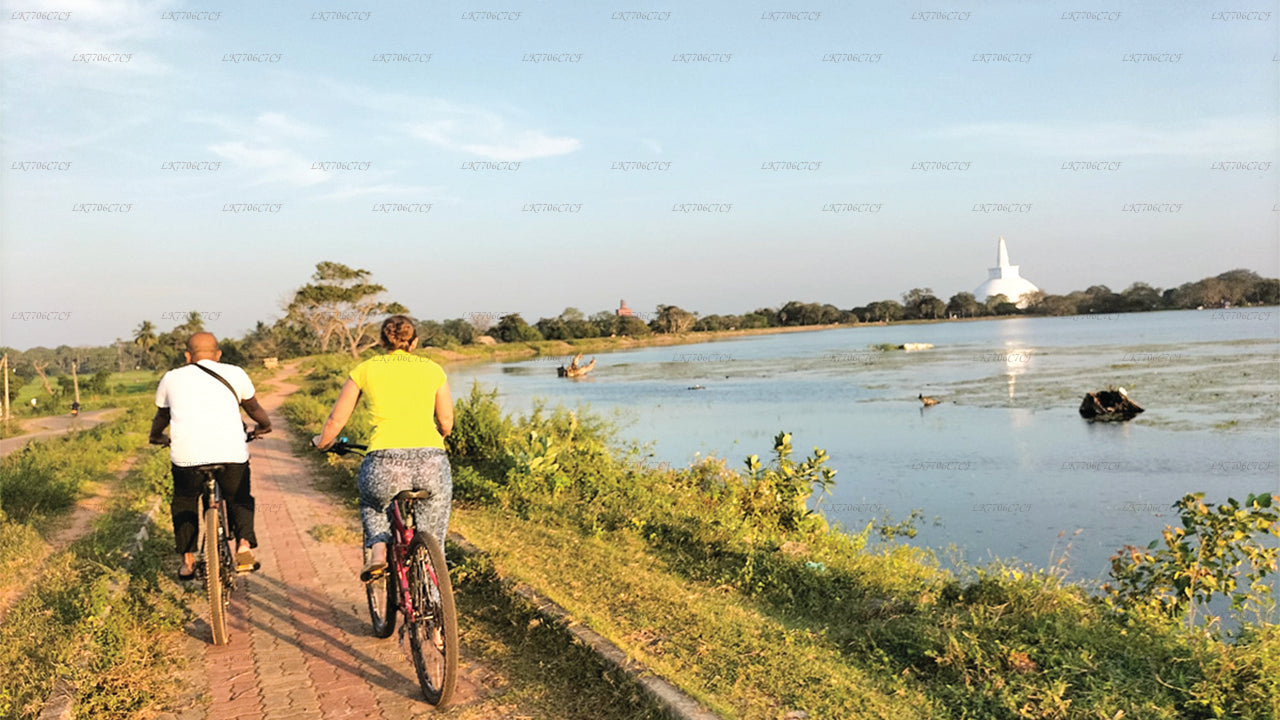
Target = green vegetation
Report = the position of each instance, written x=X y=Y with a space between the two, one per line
x=47 y=476
x=1204 y=559
x=89 y=615
x=722 y=581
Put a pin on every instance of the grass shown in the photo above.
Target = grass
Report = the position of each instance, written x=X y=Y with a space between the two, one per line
x=535 y=669
x=122 y=388
x=91 y=615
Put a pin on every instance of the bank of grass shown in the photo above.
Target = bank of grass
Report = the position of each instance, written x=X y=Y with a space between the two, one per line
x=720 y=581
x=40 y=482
x=92 y=616
x=565 y=349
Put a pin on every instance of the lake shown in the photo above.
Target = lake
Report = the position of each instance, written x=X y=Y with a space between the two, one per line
x=1003 y=466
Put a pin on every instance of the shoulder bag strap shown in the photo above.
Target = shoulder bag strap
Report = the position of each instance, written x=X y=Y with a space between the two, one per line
x=220 y=379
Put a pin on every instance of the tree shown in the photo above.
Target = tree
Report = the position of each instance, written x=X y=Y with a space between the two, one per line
x=174 y=343
x=144 y=338
x=1141 y=297
x=432 y=334
x=40 y=368
x=920 y=303
x=672 y=319
x=931 y=308
x=460 y=330
x=554 y=329
x=770 y=316
x=1044 y=304
x=884 y=311
x=15 y=384
x=513 y=328
x=713 y=323
x=633 y=327
x=340 y=303
x=571 y=315
x=98 y=382
x=998 y=304
x=582 y=328
x=606 y=323
x=963 y=304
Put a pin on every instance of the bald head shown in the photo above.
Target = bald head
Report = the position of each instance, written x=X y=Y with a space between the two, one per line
x=202 y=346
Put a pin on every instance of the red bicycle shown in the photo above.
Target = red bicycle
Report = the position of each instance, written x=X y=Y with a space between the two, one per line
x=417 y=585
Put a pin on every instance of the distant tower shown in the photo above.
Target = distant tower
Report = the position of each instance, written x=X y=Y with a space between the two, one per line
x=1004 y=279
x=623 y=310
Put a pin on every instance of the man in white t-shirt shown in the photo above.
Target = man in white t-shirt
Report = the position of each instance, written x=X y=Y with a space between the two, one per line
x=202 y=401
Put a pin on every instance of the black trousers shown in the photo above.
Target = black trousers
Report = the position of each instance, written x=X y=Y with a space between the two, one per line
x=188 y=486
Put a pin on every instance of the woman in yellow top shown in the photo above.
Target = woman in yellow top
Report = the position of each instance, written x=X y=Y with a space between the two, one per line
x=412 y=414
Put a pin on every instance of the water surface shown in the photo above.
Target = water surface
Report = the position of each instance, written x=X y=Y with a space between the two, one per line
x=1003 y=466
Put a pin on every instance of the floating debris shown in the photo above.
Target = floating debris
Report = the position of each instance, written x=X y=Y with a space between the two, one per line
x=574 y=369
x=1110 y=405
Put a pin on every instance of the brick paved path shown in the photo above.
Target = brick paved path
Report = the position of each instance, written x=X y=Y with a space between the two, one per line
x=301 y=645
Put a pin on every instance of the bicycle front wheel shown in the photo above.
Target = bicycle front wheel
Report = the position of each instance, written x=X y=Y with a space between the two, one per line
x=433 y=629
x=213 y=576
x=382 y=601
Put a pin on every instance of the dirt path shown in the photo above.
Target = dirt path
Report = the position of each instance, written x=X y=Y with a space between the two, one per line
x=301 y=645
x=74 y=527
x=55 y=425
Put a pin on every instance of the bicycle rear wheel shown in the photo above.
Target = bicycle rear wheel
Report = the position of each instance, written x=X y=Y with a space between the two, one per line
x=434 y=616
x=382 y=601
x=213 y=549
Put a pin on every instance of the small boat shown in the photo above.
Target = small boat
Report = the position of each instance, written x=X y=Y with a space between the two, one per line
x=1111 y=405
x=697 y=387
x=928 y=401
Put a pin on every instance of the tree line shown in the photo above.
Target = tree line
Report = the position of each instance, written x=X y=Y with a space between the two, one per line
x=340 y=309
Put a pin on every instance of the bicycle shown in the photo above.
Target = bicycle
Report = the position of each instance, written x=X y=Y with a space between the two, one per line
x=215 y=563
x=417 y=585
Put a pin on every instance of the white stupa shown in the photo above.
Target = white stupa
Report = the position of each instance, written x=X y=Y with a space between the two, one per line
x=1004 y=280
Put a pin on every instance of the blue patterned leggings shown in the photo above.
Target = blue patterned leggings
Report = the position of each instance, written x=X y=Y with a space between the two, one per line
x=384 y=473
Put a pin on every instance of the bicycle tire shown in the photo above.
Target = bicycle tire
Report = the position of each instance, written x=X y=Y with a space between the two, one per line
x=437 y=669
x=382 y=602
x=213 y=571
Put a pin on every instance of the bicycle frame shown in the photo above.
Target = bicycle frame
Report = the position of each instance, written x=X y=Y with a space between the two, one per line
x=402 y=534
x=212 y=497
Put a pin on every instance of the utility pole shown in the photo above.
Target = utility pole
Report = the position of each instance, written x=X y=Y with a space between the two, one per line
x=4 y=362
x=75 y=381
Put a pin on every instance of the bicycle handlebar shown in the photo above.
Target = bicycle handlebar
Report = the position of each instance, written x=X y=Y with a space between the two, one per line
x=343 y=447
x=249 y=436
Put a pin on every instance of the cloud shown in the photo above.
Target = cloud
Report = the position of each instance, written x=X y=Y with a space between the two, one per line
x=262 y=147
x=487 y=135
x=93 y=26
x=385 y=190
x=1202 y=137
x=270 y=164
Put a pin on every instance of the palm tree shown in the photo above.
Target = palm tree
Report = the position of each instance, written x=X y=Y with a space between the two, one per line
x=145 y=339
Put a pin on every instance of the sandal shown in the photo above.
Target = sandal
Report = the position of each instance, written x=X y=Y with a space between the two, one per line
x=246 y=562
x=373 y=571
x=186 y=577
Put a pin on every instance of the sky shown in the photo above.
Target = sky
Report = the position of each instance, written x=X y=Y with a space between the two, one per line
x=485 y=157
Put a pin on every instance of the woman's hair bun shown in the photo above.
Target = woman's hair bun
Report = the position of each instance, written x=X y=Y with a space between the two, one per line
x=398 y=333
